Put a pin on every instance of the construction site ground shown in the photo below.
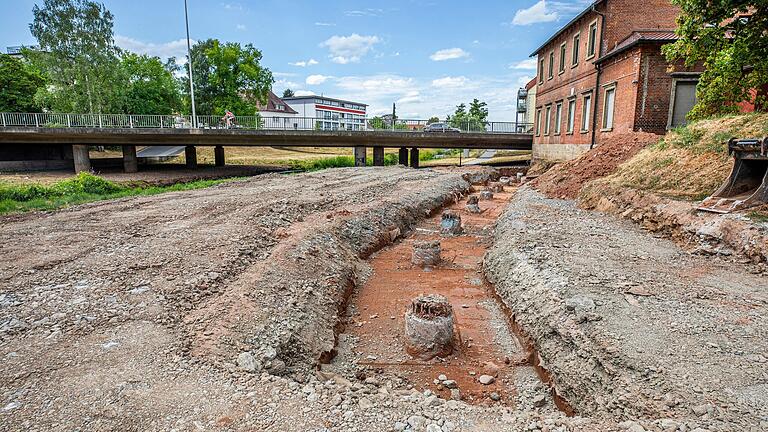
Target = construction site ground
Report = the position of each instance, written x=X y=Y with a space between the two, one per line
x=237 y=307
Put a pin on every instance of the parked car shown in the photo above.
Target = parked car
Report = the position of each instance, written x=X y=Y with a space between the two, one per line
x=441 y=127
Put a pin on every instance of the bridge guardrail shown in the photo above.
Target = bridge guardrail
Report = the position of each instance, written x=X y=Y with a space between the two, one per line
x=331 y=123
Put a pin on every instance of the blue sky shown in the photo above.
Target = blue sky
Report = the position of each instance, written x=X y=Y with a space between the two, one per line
x=427 y=56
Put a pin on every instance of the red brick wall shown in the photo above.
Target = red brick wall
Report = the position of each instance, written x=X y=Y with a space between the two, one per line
x=621 y=72
x=622 y=17
x=654 y=91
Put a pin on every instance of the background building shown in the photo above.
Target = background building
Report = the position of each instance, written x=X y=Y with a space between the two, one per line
x=328 y=113
x=277 y=114
x=604 y=74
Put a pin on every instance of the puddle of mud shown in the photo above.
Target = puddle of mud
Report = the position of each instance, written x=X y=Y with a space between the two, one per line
x=376 y=319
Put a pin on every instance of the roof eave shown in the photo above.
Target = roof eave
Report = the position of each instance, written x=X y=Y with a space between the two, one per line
x=565 y=27
x=630 y=46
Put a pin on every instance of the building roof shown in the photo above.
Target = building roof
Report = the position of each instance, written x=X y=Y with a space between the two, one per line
x=567 y=26
x=272 y=103
x=531 y=84
x=323 y=97
x=638 y=37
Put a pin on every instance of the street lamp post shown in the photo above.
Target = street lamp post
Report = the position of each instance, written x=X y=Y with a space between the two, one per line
x=189 y=57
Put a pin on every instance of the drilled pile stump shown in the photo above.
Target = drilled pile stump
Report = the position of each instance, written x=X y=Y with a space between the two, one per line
x=450 y=224
x=429 y=327
x=426 y=253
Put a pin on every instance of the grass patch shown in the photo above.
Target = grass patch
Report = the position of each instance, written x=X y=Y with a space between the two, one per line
x=336 y=162
x=83 y=188
x=758 y=216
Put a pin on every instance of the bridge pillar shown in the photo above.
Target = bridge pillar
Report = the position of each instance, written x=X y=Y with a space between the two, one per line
x=415 y=157
x=218 y=154
x=81 y=157
x=378 y=156
x=190 y=154
x=130 y=161
x=360 y=154
x=402 y=156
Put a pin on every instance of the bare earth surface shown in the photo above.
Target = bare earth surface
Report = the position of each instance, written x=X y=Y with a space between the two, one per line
x=631 y=326
x=210 y=309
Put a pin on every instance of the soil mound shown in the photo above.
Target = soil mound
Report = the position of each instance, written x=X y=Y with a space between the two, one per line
x=566 y=179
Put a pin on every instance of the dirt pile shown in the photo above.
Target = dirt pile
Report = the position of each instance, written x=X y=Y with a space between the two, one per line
x=630 y=327
x=566 y=179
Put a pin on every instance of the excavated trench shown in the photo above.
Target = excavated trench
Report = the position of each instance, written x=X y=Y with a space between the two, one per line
x=377 y=337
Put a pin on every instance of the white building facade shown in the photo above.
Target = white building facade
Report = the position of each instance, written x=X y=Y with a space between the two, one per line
x=324 y=113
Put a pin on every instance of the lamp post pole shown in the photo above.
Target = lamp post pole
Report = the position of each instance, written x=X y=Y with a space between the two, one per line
x=189 y=57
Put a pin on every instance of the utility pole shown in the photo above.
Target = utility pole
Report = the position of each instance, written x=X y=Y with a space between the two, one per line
x=394 y=115
x=189 y=57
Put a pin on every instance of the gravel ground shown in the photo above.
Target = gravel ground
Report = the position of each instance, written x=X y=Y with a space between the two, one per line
x=210 y=309
x=633 y=329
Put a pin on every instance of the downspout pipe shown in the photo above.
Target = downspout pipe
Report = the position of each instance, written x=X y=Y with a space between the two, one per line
x=597 y=79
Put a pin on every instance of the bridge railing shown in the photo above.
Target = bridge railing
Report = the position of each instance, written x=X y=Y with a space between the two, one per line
x=258 y=122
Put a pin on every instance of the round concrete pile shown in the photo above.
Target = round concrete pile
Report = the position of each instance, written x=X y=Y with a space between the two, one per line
x=429 y=327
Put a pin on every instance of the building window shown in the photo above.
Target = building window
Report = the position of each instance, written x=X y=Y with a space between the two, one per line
x=576 y=43
x=571 y=115
x=608 y=105
x=541 y=71
x=547 y=119
x=586 y=112
x=562 y=58
x=558 y=117
x=551 y=69
x=538 y=122
x=592 y=42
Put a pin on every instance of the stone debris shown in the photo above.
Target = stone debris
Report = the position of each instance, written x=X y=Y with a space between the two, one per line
x=429 y=327
x=473 y=204
x=486 y=195
x=450 y=224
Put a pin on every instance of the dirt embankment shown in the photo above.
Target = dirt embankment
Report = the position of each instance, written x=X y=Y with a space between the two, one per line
x=653 y=181
x=159 y=293
x=565 y=180
x=631 y=327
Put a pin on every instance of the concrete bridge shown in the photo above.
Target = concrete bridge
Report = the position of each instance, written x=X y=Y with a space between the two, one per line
x=29 y=139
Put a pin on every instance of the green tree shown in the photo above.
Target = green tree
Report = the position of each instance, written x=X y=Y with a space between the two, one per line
x=377 y=123
x=19 y=82
x=151 y=88
x=433 y=119
x=730 y=38
x=288 y=93
x=473 y=120
x=78 y=56
x=228 y=76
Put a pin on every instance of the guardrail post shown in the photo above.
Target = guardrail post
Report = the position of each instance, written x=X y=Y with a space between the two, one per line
x=37 y=121
x=3 y=115
x=101 y=123
x=161 y=122
x=130 y=121
x=69 y=122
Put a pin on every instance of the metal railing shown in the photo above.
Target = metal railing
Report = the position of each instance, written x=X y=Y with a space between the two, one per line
x=353 y=124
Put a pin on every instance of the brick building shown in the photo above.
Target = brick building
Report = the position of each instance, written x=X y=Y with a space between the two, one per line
x=604 y=74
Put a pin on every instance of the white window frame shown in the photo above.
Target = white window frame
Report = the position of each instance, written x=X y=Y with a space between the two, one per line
x=586 y=111
x=558 y=117
x=538 y=122
x=576 y=39
x=541 y=71
x=551 y=68
x=571 y=119
x=592 y=44
x=608 y=115
x=563 y=57
x=547 y=119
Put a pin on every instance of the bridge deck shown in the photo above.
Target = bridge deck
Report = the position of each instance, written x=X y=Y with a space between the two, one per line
x=246 y=137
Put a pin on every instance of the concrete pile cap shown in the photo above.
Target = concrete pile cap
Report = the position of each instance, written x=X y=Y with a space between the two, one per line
x=473 y=199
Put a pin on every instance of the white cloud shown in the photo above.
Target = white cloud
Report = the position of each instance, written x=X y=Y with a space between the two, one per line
x=524 y=64
x=317 y=79
x=233 y=6
x=364 y=12
x=305 y=63
x=449 y=54
x=349 y=49
x=177 y=48
x=410 y=97
x=449 y=82
x=241 y=27
x=538 y=13
x=325 y=24
x=304 y=93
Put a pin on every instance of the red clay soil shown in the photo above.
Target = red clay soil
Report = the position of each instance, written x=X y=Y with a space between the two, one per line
x=384 y=298
x=566 y=179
